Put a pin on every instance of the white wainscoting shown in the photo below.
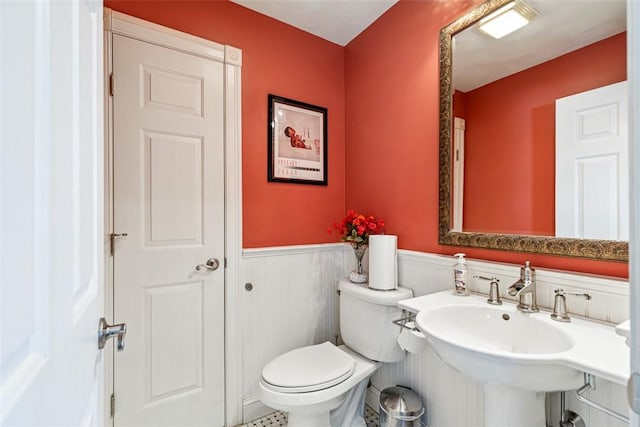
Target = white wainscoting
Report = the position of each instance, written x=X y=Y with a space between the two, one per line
x=294 y=303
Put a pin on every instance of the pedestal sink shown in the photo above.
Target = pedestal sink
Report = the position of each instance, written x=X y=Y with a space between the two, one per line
x=511 y=353
x=517 y=357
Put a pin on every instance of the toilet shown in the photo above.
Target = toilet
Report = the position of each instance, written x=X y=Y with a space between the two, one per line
x=325 y=385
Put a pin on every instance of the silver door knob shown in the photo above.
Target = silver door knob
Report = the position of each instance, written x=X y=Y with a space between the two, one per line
x=211 y=265
x=106 y=331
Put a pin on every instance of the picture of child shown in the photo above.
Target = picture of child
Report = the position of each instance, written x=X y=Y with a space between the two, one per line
x=296 y=140
x=298 y=135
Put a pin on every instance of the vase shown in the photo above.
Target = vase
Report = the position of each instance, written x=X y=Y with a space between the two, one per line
x=358 y=275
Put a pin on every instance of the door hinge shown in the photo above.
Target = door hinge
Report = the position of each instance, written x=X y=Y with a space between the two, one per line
x=111 y=84
x=113 y=404
x=225 y=262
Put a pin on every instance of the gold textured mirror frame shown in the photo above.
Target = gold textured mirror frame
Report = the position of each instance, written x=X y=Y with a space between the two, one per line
x=606 y=250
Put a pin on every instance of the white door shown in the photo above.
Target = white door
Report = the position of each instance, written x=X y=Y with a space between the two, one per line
x=592 y=164
x=458 y=173
x=169 y=200
x=51 y=225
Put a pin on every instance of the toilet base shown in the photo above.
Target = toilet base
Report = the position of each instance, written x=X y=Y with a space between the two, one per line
x=351 y=412
x=314 y=416
x=309 y=420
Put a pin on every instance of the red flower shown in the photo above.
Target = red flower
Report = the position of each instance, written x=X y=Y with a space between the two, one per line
x=356 y=228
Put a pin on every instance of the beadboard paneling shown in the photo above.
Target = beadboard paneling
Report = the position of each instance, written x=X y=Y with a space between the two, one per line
x=427 y=273
x=293 y=304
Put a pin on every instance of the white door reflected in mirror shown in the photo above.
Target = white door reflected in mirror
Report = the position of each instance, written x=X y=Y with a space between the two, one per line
x=592 y=164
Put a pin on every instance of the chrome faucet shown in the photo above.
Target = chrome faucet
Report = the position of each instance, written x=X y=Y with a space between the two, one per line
x=560 y=304
x=494 y=292
x=525 y=287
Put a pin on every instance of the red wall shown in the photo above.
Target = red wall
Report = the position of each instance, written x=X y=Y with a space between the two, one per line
x=392 y=131
x=281 y=60
x=510 y=161
x=382 y=95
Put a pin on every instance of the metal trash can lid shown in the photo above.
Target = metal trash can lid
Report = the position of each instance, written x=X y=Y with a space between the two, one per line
x=401 y=403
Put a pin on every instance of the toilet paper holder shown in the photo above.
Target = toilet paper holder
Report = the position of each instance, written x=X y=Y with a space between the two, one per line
x=407 y=317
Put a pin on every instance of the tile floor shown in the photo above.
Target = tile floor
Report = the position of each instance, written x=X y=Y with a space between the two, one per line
x=276 y=419
x=371 y=417
x=273 y=419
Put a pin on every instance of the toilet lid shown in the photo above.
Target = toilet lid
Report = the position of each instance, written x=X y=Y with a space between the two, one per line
x=308 y=369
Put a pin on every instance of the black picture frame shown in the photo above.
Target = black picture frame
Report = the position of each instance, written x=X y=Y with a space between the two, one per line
x=297 y=142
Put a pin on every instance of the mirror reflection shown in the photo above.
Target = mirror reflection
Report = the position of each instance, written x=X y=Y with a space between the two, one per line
x=539 y=134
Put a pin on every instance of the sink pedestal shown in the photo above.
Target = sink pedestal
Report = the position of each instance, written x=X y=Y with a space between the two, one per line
x=506 y=406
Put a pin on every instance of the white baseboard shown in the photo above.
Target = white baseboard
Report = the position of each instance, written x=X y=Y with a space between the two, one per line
x=253 y=408
x=373 y=398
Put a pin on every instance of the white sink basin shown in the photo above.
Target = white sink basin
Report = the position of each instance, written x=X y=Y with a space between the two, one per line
x=498 y=344
x=517 y=356
x=624 y=330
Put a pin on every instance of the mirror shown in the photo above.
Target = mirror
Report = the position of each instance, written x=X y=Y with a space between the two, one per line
x=457 y=49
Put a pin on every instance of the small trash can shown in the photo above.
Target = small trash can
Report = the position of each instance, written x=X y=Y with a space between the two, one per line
x=400 y=407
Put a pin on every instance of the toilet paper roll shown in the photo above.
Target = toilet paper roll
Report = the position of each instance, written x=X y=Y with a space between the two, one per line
x=383 y=262
x=412 y=341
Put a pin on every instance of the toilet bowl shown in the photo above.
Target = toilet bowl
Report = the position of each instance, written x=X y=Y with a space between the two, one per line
x=313 y=407
x=324 y=385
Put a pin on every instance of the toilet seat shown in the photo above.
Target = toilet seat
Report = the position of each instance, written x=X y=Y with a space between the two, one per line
x=308 y=369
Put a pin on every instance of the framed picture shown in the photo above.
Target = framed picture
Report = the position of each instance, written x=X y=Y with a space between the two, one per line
x=297 y=143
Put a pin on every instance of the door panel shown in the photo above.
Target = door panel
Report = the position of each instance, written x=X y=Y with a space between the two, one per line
x=174 y=199
x=173 y=91
x=169 y=199
x=51 y=183
x=172 y=374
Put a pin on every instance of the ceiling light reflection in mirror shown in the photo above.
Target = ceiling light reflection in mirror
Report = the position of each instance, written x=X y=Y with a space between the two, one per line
x=507 y=19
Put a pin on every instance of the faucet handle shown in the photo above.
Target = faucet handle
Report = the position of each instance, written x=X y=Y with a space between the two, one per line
x=494 y=292
x=560 y=304
x=560 y=291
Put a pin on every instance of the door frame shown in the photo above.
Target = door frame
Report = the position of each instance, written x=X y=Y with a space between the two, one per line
x=231 y=57
x=633 y=76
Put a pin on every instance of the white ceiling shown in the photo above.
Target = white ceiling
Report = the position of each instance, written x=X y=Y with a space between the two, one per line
x=561 y=27
x=338 y=21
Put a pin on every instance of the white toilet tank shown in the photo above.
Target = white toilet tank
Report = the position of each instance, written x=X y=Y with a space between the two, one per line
x=366 y=317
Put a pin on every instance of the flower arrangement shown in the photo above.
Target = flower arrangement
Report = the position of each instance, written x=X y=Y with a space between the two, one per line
x=355 y=228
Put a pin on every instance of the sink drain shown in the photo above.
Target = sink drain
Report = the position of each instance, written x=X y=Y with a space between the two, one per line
x=505 y=316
